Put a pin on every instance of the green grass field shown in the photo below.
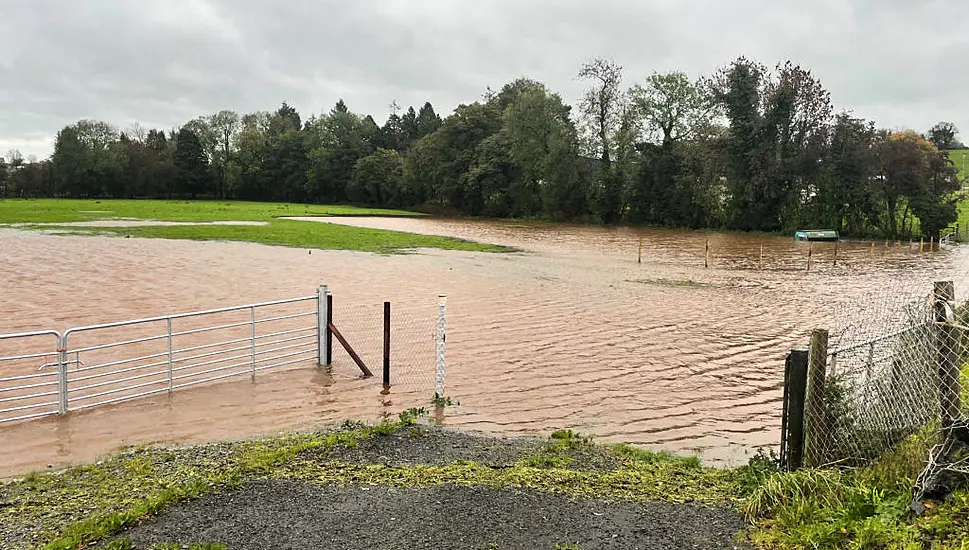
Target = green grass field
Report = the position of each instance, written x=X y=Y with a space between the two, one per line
x=278 y=231
x=73 y=210
x=960 y=158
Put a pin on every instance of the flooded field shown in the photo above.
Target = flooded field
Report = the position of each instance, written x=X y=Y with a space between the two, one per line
x=572 y=332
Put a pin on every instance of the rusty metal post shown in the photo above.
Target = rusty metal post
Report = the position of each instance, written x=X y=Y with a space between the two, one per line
x=386 y=344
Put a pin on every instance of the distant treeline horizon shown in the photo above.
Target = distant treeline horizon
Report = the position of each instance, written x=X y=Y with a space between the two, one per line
x=747 y=148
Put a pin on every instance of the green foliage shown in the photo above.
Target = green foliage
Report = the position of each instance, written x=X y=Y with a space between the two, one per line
x=943 y=136
x=642 y=456
x=667 y=481
x=440 y=401
x=191 y=164
x=377 y=179
x=653 y=153
x=853 y=508
x=119 y=544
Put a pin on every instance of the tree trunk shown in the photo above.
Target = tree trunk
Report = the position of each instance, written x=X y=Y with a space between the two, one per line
x=892 y=219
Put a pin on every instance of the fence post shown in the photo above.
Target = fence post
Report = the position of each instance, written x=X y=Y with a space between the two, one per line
x=321 y=319
x=62 y=401
x=947 y=355
x=170 y=361
x=386 y=344
x=329 y=331
x=441 y=346
x=816 y=414
x=252 y=323
x=792 y=421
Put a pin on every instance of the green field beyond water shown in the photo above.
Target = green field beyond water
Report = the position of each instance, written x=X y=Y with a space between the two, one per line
x=960 y=159
x=30 y=214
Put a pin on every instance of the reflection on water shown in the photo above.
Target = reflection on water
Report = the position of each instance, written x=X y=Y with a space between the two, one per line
x=571 y=332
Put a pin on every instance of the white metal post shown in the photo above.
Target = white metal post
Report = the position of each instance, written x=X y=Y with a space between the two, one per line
x=252 y=322
x=170 y=361
x=321 y=316
x=441 y=346
x=62 y=402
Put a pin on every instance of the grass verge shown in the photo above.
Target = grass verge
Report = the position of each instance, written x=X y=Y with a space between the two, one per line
x=92 y=503
x=865 y=508
x=277 y=232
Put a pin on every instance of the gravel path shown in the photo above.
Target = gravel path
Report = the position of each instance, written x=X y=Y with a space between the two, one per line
x=438 y=446
x=288 y=514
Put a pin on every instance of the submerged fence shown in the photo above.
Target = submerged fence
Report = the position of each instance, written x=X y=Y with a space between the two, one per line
x=849 y=403
x=46 y=372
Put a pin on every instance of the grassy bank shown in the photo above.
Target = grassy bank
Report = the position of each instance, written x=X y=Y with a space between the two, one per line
x=29 y=214
x=865 y=508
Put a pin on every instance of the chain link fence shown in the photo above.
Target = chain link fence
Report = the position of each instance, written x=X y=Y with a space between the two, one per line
x=898 y=371
x=413 y=343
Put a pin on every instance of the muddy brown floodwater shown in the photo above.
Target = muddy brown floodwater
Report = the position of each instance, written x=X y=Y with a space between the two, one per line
x=571 y=332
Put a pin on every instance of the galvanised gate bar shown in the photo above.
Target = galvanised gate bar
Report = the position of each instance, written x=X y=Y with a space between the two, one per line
x=52 y=373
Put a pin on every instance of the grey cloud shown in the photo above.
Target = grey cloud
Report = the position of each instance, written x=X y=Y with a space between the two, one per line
x=162 y=63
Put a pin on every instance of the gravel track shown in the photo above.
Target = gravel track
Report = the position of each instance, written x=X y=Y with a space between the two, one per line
x=297 y=515
x=437 y=446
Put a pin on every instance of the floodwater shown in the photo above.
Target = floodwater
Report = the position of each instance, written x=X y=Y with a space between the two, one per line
x=570 y=332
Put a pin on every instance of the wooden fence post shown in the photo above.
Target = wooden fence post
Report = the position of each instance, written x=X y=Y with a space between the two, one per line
x=792 y=421
x=761 y=256
x=639 y=259
x=706 y=259
x=948 y=357
x=816 y=413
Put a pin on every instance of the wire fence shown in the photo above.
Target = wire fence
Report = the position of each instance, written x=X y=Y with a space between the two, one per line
x=896 y=370
x=413 y=343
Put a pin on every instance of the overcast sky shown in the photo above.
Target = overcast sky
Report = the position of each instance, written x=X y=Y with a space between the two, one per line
x=161 y=63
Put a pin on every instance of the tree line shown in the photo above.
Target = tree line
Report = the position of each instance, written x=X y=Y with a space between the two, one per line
x=747 y=148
